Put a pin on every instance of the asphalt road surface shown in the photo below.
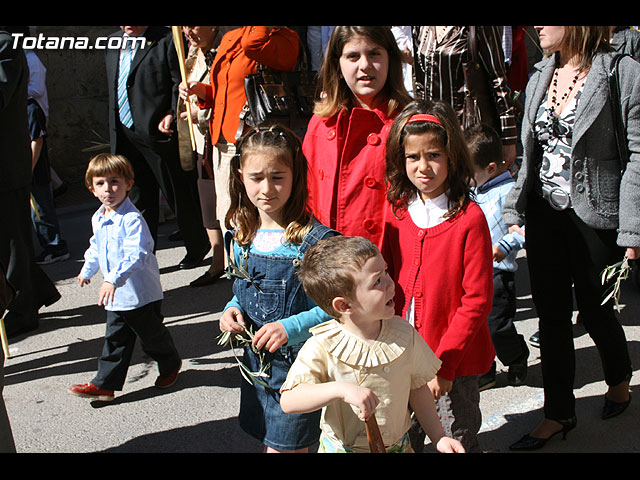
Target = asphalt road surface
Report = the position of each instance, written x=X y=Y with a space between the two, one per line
x=199 y=413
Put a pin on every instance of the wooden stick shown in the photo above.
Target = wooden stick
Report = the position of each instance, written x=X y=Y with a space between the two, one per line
x=34 y=207
x=376 y=444
x=5 y=342
x=177 y=41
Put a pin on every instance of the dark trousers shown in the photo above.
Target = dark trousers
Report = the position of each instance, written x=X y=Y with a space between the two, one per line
x=157 y=169
x=566 y=256
x=122 y=330
x=33 y=287
x=510 y=346
x=460 y=415
x=45 y=219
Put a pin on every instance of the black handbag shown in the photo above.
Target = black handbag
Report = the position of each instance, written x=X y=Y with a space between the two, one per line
x=623 y=149
x=282 y=98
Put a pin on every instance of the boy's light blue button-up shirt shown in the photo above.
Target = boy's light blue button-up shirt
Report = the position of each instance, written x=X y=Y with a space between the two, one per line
x=490 y=197
x=122 y=249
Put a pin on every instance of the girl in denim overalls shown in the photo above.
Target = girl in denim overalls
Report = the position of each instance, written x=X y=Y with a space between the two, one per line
x=270 y=228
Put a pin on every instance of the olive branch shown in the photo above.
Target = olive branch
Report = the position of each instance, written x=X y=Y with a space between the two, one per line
x=234 y=340
x=621 y=272
x=236 y=271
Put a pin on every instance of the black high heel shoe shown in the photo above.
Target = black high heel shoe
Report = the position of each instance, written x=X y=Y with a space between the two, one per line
x=613 y=409
x=534 y=443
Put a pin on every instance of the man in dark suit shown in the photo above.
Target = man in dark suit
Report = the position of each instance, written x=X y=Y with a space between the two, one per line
x=142 y=107
x=33 y=287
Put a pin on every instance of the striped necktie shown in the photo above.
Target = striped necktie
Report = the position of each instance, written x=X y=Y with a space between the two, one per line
x=123 y=98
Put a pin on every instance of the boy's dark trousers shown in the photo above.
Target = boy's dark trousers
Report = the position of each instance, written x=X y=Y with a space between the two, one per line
x=509 y=345
x=123 y=327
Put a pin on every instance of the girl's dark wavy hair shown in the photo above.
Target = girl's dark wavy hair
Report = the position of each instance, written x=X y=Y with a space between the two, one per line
x=400 y=190
x=243 y=216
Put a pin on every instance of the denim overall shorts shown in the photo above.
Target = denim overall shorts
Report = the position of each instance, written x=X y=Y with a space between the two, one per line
x=274 y=293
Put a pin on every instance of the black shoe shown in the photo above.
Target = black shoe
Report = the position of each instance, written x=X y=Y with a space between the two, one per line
x=518 y=371
x=175 y=236
x=487 y=380
x=52 y=256
x=192 y=260
x=207 y=278
x=534 y=340
x=613 y=409
x=534 y=443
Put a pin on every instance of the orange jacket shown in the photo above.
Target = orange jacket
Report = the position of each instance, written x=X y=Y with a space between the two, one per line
x=239 y=52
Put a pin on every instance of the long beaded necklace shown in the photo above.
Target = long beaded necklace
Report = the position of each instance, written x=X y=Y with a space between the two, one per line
x=555 y=104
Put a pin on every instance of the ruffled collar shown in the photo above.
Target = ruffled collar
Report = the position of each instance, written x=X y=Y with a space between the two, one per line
x=395 y=335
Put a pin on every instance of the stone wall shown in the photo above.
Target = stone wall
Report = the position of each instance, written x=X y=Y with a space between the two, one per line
x=78 y=99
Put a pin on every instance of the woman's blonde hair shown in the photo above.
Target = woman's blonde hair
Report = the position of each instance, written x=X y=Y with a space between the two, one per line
x=584 y=41
x=243 y=216
x=336 y=92
x=105 y=164
x=460 y=168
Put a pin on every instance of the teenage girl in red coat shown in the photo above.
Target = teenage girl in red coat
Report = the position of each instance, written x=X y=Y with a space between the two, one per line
x=344 y=144
x=438 y=248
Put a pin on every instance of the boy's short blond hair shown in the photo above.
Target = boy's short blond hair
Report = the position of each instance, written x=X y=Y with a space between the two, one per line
x=326 y=271
x=105 y=164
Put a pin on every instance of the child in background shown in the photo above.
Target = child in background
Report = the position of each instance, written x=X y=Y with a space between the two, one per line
x=438 y=249
x=365 y=361
x=493 y=183
x=131 y=293
x=272 y=228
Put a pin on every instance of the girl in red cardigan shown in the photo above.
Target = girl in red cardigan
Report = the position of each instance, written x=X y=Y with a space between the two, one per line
x=438 y=248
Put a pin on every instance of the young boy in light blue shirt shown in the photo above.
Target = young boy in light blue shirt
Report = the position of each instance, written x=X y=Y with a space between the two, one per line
x=492 y=184
x=122 y=249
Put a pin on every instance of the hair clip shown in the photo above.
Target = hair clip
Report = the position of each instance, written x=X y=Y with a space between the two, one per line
x=424 y=117
x=277 y=130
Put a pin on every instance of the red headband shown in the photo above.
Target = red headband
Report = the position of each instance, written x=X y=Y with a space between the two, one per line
x=423 y=117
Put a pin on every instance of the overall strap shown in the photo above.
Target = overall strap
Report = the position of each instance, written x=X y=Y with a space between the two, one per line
x=318 y=232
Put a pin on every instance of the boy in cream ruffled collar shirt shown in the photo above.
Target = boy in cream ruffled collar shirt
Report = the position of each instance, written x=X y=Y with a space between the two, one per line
x=353 y=365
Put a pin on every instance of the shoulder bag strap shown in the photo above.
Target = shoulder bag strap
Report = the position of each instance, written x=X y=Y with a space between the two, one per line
x=614 y=92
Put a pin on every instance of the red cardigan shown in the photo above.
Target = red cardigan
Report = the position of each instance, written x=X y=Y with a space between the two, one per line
x=448 y=271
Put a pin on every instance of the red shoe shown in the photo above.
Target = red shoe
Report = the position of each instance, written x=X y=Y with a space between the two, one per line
x=165 y=381
x=89 y=390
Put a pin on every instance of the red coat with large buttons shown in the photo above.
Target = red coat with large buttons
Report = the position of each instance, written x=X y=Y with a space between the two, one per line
x=346 y=157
